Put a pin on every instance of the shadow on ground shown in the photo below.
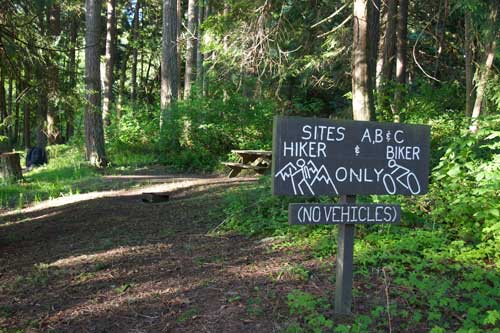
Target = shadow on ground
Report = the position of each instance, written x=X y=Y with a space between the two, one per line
x=116 y=264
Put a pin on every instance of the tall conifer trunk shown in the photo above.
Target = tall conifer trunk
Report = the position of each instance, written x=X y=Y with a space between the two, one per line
x=204 y=83
x=199 y=54
x=169 y=66
x=135 y=41
x=178 y=31
x=190 y=47
x=41 y=115
x=361 y=93
x=374 y=12
x=110 y=59
x=3 y=103
x=70 y=128
x=94 y=134
x=440 y=30
x=26 y=127
x=401 y=58
x=10 y=108
x=53 y=132
x=19 y=94
x=390 y=41
x=484 y=73
x=469 y=71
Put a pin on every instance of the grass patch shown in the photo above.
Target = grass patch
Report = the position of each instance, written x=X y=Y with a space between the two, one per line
x=62 y=176
x=68 y=173
x=186 y=315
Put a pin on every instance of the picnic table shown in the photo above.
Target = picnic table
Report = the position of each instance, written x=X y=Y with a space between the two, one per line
x=257 y=160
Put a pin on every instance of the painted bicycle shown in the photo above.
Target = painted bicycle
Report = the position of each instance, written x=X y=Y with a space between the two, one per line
x=400 y=175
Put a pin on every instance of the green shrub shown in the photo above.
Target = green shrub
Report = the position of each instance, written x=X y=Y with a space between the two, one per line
x=464 y=191
x=307 y=309
x=197 y=133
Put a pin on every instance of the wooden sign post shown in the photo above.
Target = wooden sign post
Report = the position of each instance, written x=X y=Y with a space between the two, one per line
x=314 y=156
x=344 y=263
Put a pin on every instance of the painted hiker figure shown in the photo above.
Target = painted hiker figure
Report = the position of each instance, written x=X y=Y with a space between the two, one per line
x=305 y=174
x=301 y=177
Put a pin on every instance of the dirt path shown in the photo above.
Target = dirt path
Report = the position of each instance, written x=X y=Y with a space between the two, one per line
x=106 y=262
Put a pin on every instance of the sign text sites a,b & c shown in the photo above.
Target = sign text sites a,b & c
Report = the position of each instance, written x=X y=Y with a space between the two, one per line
x=314 y=156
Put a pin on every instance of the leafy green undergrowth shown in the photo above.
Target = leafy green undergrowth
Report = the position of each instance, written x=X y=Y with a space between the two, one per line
x=437 y=281
x=198 y=133
x=438 y=271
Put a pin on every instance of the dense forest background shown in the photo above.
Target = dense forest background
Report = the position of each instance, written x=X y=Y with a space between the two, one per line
x=72 y=71
x=114 y=85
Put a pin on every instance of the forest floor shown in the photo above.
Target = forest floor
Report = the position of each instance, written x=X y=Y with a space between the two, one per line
x=108 y=262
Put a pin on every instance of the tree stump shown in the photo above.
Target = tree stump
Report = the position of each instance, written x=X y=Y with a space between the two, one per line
x=10 y=167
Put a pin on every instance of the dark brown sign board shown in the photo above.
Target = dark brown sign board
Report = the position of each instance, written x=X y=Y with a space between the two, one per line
x=314 y=156
x=312 y=214
x=317 y=156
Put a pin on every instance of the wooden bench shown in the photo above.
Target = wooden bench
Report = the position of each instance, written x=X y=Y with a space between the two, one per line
x=256 y=160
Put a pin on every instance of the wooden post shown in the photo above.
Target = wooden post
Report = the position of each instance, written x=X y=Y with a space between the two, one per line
x=344 y=263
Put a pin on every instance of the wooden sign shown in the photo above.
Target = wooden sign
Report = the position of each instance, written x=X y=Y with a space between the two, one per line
x=343 y=214
x=315 y=156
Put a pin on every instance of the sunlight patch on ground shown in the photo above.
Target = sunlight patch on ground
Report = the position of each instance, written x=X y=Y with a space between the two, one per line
x=254 y=270
x=30 y=219
x=175 y=185
x=127 y=177
x=117 y=253
x=117 y=301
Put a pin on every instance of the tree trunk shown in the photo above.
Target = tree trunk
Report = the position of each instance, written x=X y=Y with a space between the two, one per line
x=361 y=94
x=54 y=20
x=225 y=45
x=147 y=93
x=94 y=134
x=121 y=89
x=401 y=46
x=485 y=71
x=41 y=112
x=53 y=132
x=19 y=94
x=169 y=66
x=469 y=71
x=179 y=24
x=440 y=30
x=51 y=75
x=204 y=84
x=373 y=41
x=110 y=59
x=381 y=43
x=135 y=41
x=190 y=47
x=27 y=114
x=26 y=127
x=401 y=58
x=10 y=167
x=70 y=127
x=199 y=54
x=386 y=64
x=9 y=109
x=3 y=103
